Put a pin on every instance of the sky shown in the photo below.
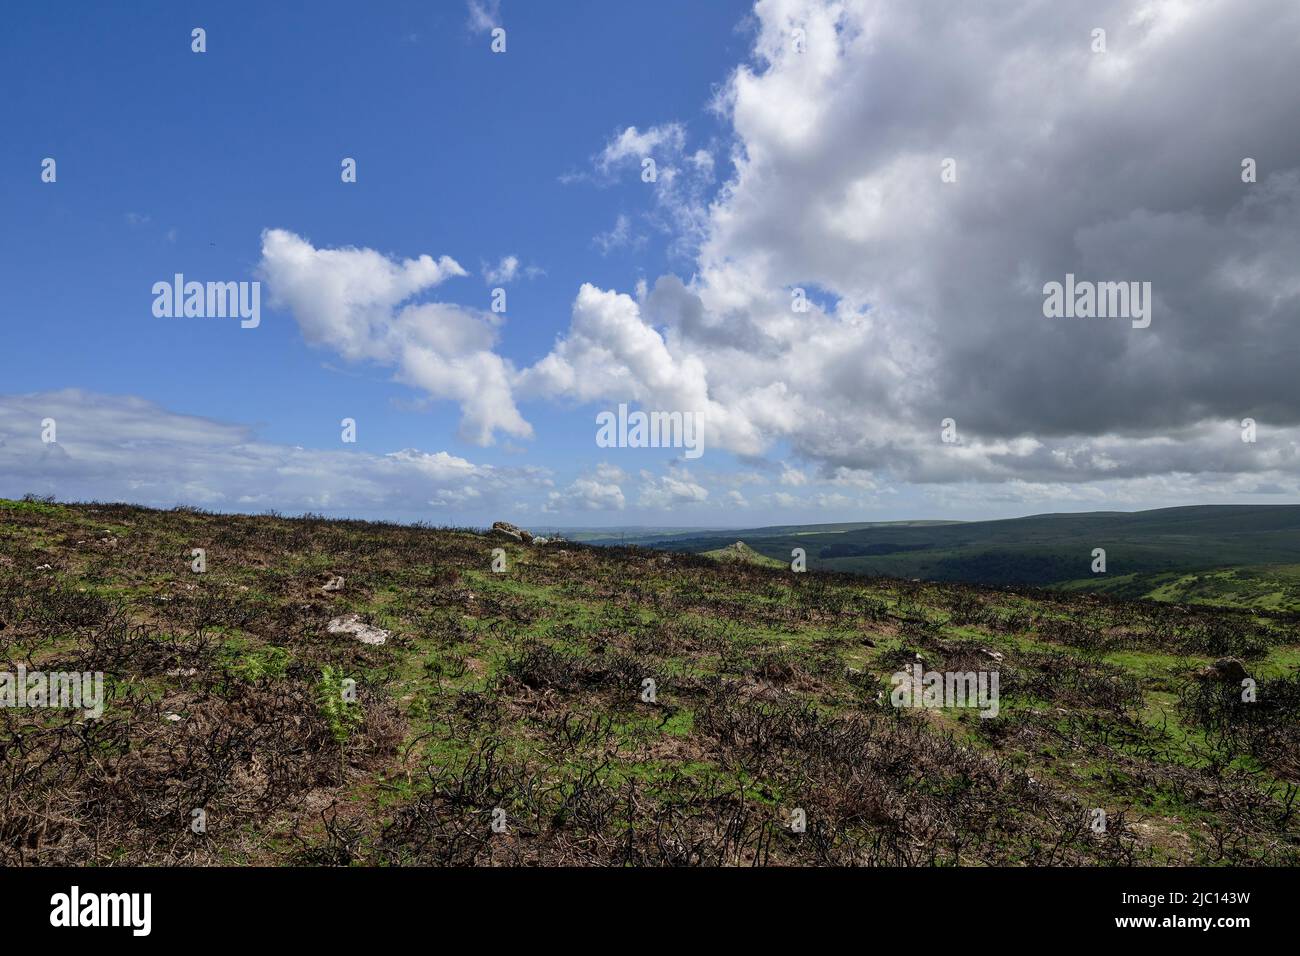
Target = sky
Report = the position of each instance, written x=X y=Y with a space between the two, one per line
x=820 y=230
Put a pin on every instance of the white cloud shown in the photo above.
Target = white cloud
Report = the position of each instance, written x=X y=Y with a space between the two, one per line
x=587 y=494
x=508 y=270
x=679 y=188
x=793 y=477
x=631 y=144
x=671 y=490
x=360 y=304
x=124 y=448
x=505 y=271
x=484 y=15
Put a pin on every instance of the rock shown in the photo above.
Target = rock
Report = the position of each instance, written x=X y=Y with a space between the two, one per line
x=540 y=540
x=1227 y=670
x=512 y=531
x=182 y=672
x=335 y=584
x=365 y=633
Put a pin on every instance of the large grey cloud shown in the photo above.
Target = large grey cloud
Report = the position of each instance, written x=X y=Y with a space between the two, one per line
x=1122 y=165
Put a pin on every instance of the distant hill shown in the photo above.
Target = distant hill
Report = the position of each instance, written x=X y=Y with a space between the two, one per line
x=1148 y=553
x=743 y=552
x=651 y=537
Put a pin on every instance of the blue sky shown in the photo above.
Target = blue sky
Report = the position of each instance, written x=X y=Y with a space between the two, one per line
x=170 y=161
x=459 y=153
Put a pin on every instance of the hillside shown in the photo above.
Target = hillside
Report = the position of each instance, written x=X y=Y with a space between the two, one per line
x=1146 y=551
x=619 y=706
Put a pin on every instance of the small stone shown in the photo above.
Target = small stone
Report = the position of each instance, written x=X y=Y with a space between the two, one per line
x=335 y=584
x=365 y=633
x=512 y=531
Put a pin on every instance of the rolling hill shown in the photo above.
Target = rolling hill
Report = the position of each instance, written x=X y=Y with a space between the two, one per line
x=1148 y=553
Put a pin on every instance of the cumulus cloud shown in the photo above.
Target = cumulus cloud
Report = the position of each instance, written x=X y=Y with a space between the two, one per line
x=926 y=296
x=362 y=305
x=674 y=489
x=587 y=494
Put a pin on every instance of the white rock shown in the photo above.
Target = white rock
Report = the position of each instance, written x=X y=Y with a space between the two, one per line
x=365 y=633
